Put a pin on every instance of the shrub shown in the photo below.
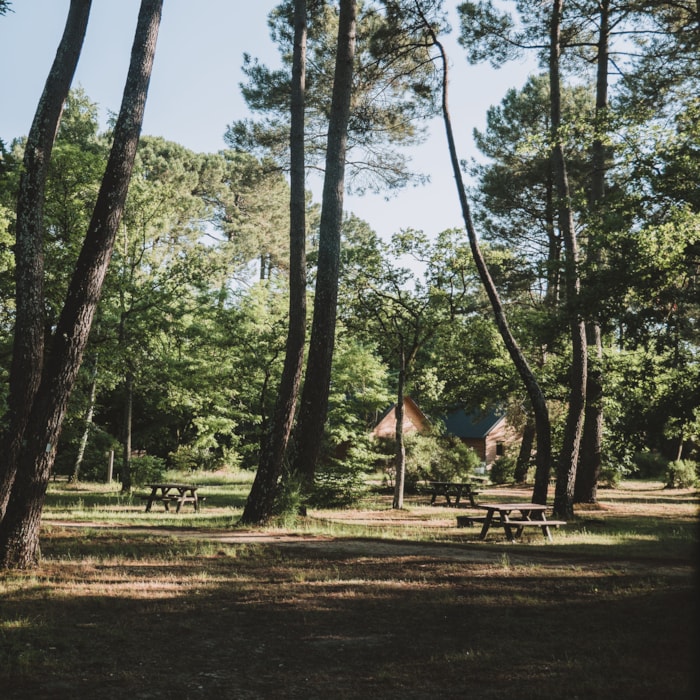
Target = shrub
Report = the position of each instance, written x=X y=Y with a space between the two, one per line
x=503 y=470
x=338 y=484
x=438 y=458
x=613 y=470
x=681 y=474
x=191 y=458
x=146 y=469
x=649 y=465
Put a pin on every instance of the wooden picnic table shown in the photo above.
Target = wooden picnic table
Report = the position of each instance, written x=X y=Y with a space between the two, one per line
x=452 y=489
x=531 y=515
x=168 y=493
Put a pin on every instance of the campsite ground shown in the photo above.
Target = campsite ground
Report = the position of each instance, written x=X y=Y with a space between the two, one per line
x=356 y=603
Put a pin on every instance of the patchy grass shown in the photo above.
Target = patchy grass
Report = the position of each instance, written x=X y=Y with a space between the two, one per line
x=358 y=603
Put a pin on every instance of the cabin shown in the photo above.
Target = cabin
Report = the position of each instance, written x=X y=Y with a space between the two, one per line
x=414 y=420
x=488 y=432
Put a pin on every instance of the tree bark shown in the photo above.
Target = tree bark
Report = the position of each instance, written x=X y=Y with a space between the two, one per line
x=75 y=476
x=525 y=453
x=586 y=487
x=314 y=400
x=400 y=457
x=19 y=529
x=28 y=349
x=260 y=502
x=125 y=471
x=537 y=399
x=568 y=457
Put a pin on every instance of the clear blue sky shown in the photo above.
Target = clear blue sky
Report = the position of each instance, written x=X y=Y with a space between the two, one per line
x=194 y=90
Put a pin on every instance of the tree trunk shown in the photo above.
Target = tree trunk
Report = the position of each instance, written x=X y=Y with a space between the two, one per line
x=314 y=400
x=28 y=349
x=260 y=502
x=75 y=476
x=126 y=432
x=539 y=405
x=400 y=457
x=524 y=455
x=568 y=458
x=590 y=458
x=19 y=529
x=586 y=489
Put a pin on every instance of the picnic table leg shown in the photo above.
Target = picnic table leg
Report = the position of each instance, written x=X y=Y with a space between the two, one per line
x=151 y=498
x=486 y=525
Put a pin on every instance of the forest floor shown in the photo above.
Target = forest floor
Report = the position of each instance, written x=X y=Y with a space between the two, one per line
x=165 y=612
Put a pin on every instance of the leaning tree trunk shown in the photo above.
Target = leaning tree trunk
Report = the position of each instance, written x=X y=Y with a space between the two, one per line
x=568 y=457
x=19 y=529
x=314 y=400
x=260 y=502
x=28 y=349
x=534 y=391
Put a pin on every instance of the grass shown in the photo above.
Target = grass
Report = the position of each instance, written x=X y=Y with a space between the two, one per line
x=354 y=603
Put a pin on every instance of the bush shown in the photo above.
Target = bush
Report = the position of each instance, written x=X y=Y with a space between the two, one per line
x=337 y=485
x=438 y=458
x=191 y=458
x=649 y=465
x=146 y=469
x=613 y=470
x=681 y=474
x=503 y=470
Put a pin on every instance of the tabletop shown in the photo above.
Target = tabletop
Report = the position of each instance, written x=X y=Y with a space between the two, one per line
x=508 y=507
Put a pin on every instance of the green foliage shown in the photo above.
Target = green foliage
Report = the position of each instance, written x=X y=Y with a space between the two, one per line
x=435 y=457
x=146 y=469
x=682 y=474
x=289 y=501
x=503 y=470
x=192 y=458
x=340 y=483
x=611 y=473
x=95 y=458
x=649 y=465
x=393 y=87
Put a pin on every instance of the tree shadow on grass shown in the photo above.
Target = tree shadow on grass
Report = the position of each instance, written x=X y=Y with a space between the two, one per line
x=166 y=618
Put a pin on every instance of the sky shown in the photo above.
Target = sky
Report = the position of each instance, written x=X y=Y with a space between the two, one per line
x=194 y=92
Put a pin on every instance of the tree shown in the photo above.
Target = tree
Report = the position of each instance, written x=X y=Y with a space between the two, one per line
x=19 y=529
x=408 y=314
x=261 y=499
x=391 y=95
x=531 y=384
x=568 y=457
x=314 y=398
x=28 y=348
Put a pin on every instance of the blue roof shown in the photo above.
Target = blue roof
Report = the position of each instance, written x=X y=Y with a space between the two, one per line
x=475 y=425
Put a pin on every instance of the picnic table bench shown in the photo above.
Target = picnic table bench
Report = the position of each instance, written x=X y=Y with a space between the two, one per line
x=531 y=515
x=450 y=490
x=168 y=493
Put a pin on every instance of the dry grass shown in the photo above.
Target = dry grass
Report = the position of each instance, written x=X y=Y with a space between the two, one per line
x=414 y=608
